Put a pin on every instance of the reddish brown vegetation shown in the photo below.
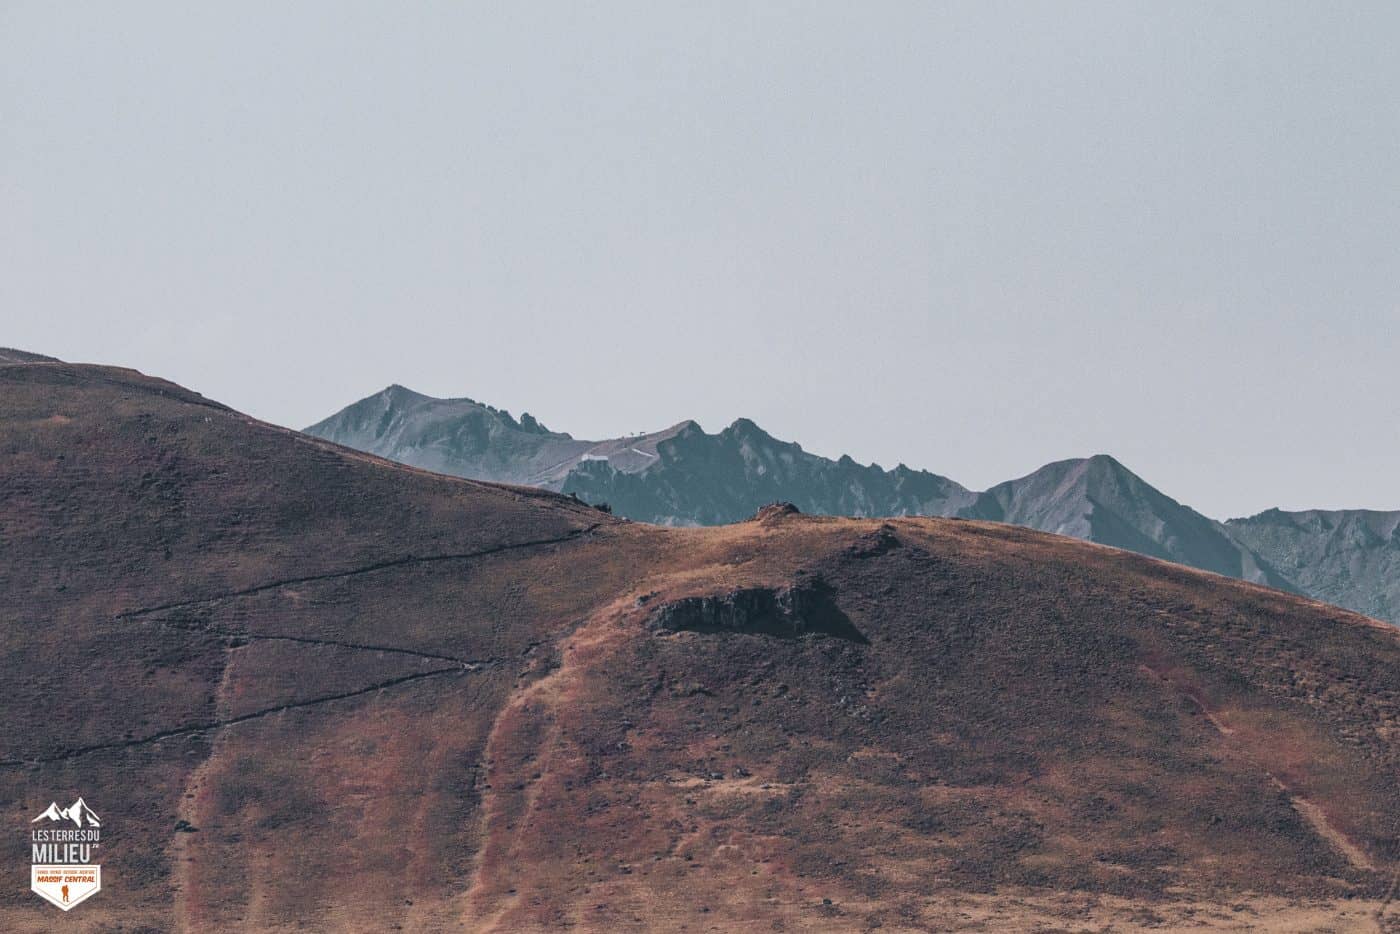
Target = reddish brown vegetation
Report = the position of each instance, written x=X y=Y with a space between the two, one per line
x=380 y=697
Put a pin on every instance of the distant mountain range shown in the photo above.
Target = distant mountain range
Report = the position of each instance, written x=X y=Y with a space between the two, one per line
x=684 y=476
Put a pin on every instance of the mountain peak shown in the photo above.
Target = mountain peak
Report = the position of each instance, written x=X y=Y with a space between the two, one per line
x=747 y=428
x=398 y=392
x=1106 y=460
x=531 y=424
x=1105 y=467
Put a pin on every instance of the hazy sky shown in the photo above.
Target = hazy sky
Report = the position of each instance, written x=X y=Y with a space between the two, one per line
x=973 y=237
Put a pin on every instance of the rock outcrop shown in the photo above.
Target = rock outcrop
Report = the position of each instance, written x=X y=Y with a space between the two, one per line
x=799 y=609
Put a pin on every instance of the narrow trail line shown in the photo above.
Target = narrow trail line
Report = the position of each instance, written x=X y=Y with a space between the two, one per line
x=239 y=636
x=364 y=569
x=188 y=809
x=198 y=728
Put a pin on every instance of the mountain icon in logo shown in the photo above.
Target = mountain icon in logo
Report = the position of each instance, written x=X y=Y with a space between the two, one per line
x=78 y=812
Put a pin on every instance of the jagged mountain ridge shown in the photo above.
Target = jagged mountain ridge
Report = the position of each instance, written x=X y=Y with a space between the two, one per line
x=703 y=479
x=678 y=476
x=685 y=476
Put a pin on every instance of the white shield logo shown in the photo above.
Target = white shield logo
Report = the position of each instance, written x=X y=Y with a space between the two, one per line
x=65 y=886
x=64 y=872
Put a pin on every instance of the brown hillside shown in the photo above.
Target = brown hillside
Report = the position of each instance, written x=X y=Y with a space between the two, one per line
x=307 y=689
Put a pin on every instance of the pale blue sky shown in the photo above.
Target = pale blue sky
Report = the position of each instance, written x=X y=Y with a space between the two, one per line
x=974 y=237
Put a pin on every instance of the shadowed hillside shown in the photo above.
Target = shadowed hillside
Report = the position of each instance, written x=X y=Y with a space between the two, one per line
x=308 y=688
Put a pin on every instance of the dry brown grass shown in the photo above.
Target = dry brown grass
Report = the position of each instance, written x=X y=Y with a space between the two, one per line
x=389 y=699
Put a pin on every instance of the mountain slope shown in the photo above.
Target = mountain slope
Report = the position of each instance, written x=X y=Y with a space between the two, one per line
x=1100 y=500
x=679 y=476
x=456 y=436
x=702 y=479
x=10 y=355
x=1347 y=557
x=309 y=688
x=683 y=476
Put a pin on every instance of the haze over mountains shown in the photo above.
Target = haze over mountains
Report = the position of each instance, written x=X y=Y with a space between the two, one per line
x=684 y=476
x=307 y=688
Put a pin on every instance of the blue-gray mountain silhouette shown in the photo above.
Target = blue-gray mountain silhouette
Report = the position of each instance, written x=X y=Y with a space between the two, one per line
x=685 y=476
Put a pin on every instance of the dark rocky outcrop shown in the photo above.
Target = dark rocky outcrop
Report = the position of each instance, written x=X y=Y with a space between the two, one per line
x=882 y=541
x=775 y=511
x=801 y=609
